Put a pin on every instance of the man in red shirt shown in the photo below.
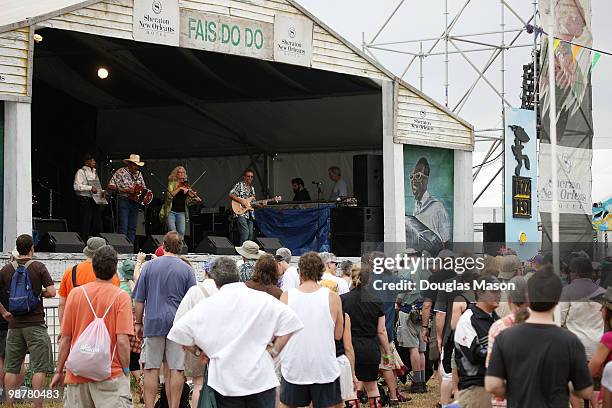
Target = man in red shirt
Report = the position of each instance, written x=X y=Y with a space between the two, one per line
x=114 y=391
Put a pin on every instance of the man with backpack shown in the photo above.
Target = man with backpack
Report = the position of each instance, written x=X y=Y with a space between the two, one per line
x=80 y=274
x=23 y=284
x=94 y=349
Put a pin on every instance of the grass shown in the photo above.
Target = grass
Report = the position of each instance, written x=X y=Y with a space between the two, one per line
x=418 y=400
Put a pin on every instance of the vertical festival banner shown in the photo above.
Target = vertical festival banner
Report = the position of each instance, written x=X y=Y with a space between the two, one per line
x=520 y=183
x=429 y=197
x=574 y=120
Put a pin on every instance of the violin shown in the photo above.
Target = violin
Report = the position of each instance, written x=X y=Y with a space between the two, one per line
x=191 y=193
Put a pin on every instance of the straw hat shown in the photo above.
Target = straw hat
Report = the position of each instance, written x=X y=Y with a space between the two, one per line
x=134 y=158
x=93 y=244
x=249 y=250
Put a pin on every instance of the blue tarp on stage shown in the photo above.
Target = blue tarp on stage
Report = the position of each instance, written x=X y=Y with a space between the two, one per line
x=300 y=230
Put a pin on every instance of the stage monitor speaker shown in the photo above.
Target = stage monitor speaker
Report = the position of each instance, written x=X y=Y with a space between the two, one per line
x=216 y=245
x=58 y=241
x=43 y=225
x=493 y=237
x=368 y=220
x=119 y=241
x=269 y=245
x=368 y=179
x=355 y=244
x=154 y=241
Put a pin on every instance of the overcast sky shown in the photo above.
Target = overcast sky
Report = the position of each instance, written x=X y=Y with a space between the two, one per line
x=417 y=19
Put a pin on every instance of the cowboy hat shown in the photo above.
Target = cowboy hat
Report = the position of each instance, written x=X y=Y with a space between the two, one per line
x=134 y=158
x=250 y=250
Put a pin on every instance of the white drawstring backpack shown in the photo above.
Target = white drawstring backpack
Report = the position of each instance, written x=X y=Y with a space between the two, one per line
x=90 y=356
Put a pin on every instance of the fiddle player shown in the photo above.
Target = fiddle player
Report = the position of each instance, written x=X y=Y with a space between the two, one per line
x=178 y=195
x=125 y=181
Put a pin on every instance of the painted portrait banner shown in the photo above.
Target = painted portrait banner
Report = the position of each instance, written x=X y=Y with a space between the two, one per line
x=429 y=191
x=574 y=121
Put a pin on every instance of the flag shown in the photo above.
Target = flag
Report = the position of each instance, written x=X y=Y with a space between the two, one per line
x=596 y=57
x=556 y=42
x=575 y=51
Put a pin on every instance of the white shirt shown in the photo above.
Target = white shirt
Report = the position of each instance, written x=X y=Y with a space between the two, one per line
x=310 y=355
x=343 y=287
x=290 y=279
x=194 y=295
x=340 y=189
x=233 y=328
x=82 y=176
x=606 y=378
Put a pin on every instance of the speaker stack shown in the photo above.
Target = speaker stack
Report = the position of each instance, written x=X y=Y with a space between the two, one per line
x=154 y=241
x=368 y=179
x=216 y=245
x=60 y=241
x=352 y=226
x=119 y=241
x=269 y=245
x=493 y=237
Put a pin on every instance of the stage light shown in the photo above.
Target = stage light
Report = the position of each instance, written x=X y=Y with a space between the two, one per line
x=102 y=73
x=38 y=38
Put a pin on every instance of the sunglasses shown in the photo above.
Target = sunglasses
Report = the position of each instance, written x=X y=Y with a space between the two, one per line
x=418 y=176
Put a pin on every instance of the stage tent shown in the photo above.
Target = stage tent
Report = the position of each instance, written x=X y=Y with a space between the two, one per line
x=213 y=111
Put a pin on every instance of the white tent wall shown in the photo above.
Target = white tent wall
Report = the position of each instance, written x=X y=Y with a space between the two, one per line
x=311 y=167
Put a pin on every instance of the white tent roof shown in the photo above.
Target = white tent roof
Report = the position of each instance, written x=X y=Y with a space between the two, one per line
x=21 y=13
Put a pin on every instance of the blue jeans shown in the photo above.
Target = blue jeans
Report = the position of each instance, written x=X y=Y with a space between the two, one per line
x=176 y=222
x=245 y=229
x=128 y=217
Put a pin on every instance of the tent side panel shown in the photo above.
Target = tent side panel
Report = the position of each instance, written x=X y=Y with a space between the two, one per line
x=419 y=122
x=15 y=65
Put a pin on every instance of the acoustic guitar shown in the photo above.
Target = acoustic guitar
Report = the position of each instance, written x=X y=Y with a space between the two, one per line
x=239 y=209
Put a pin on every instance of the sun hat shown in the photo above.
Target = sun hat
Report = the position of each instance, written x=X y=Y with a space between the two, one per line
x=250 y=250
x=134 y=158
x=510 y=264
x=93 y=244
x=127 y=269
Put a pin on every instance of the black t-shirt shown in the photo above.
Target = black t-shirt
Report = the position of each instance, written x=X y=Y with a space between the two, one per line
x=445 y=301
x=437 y=278
x=302 y=195
x=178 y=202
x=364 y=314
x=538 y=361
x=40 y=277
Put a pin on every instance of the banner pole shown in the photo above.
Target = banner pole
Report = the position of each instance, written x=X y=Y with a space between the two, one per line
x=552 y=111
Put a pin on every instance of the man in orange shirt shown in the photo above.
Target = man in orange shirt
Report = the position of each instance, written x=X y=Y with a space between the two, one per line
x=83 y=273
x=115 y=391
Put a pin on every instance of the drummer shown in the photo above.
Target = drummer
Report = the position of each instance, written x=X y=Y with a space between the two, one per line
x=127 y=181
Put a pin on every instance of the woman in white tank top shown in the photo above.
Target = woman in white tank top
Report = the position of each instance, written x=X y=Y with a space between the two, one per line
x=309 y=358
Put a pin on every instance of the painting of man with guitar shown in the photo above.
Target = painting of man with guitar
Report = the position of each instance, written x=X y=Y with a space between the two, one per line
x=244 y=203
x=132 y=191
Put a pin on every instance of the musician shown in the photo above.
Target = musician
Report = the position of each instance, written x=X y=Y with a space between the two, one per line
x=427 y=209
x=178 y=195
x=301 y=194
x=89 y=212
x=242 y=190
x=125 y=181
x=340 y=188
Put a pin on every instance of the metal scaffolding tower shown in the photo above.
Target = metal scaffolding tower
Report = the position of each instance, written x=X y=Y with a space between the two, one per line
x=448 y=44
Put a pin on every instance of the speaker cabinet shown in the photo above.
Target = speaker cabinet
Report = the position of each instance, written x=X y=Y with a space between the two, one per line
x=119 y=241
x=64 y=242
x=154 y=241
x=368 y=179
x=269 y=245
x=216 y=246
x=357 y=220
x=493 y=237
x=356 y=244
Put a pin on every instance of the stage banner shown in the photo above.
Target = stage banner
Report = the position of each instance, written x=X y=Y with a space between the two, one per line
x=574 y=120
x=429 y=197
x=293 y=39
x=300 y=230
x=602 y=215
x=520 y=182
x=156 y=21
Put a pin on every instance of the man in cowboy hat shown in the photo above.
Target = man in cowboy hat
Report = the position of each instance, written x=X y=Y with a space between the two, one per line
x=124 y=181
x=250 y=253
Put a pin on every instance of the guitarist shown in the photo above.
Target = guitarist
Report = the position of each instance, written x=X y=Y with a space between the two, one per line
x=124 y=181
x=240 y=193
